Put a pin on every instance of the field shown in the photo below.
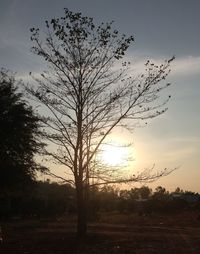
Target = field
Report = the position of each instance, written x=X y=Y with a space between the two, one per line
x=114 y=233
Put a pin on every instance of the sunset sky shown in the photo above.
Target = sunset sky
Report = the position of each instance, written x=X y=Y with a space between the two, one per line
x=161 y=29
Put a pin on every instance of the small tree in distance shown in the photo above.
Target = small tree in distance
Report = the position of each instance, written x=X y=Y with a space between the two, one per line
x=87 y=97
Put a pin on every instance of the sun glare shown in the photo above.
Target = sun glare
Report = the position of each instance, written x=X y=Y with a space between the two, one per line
x=114 y=155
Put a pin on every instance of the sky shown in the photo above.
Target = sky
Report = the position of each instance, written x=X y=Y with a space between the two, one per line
x=161 y=29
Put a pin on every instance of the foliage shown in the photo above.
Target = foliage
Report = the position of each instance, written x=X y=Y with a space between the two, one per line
x=44 y=200
x=144 y=201
x=49 y=199
x=19 y=136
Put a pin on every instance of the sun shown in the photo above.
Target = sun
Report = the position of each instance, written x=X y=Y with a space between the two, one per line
x=114 y=154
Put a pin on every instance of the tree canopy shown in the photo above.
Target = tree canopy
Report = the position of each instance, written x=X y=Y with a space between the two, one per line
x=19 y=135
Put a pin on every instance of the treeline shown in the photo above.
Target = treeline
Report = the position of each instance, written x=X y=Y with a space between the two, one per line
x=46 y=199
x=143 y=201
x=40 y=199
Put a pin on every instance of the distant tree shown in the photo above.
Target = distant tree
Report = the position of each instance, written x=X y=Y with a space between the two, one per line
x=178 y=190
x=87 y=97
x=160 y=193
x=108 y=198
x=124 y=194
x=19 y=136
x=134 y=193
x=160 y=190
x=145 y=192
x=55 y=199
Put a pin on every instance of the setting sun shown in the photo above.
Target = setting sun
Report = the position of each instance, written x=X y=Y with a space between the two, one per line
x=114 y=155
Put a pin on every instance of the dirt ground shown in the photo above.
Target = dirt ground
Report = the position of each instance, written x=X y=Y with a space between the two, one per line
x=113 y=234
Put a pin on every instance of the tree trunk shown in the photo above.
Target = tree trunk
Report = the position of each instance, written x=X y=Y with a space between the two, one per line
x=81 y=212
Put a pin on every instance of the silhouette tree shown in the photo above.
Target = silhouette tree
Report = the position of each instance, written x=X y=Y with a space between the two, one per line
x=19 y=136
x=87 y=97
x=160 y=193
x=145 y=192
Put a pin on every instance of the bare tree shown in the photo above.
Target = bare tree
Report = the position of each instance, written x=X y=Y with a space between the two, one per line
x=87 y=96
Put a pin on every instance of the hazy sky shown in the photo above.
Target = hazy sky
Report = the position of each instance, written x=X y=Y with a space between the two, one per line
x=161 y=29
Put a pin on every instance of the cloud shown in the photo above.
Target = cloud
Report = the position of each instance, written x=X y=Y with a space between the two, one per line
x=186 y=65
x=181 y=66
